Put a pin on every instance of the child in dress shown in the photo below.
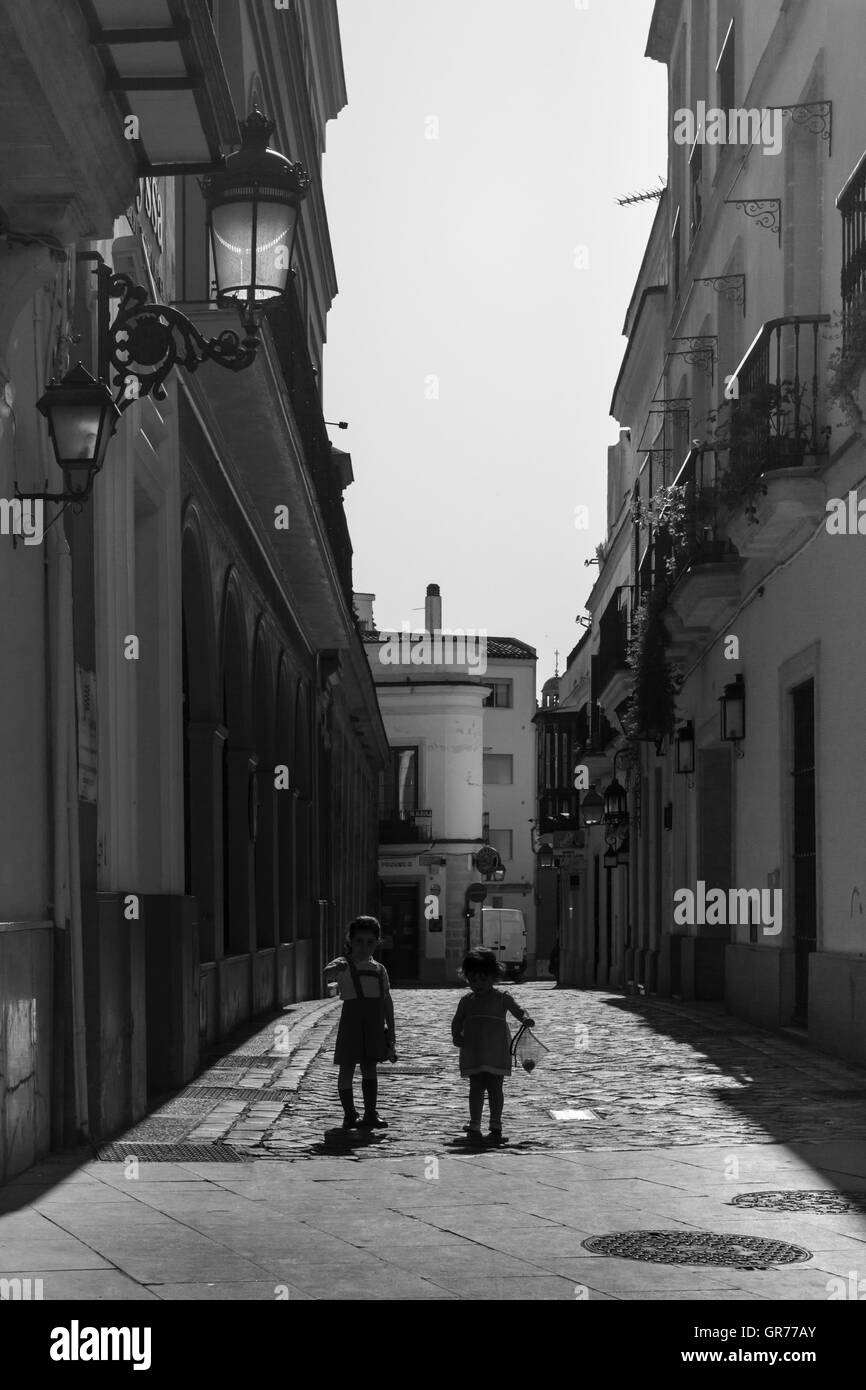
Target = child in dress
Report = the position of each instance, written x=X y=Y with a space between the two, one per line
x=366 y=1032
x=480 y=1030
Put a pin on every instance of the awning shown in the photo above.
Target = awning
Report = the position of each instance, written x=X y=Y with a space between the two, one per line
x=162 y=65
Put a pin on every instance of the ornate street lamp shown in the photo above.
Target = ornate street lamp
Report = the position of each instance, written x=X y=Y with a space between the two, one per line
x=592 y=808
x=732 y=704
x=253 y=209
x=81 y=419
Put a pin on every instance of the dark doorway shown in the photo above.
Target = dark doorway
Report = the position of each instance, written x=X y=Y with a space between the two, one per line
x=596 y=917
x=399 y=915
x=805 y=897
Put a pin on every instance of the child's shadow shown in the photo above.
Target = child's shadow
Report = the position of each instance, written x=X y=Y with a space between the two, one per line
x=344 y=1141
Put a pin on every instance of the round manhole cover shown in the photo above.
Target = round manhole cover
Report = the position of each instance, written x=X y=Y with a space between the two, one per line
x=697 y=1248
x=802 y=1201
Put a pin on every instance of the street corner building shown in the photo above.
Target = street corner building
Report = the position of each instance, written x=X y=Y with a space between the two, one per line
x=190 y=741
x=706 y=734
x=458 y=709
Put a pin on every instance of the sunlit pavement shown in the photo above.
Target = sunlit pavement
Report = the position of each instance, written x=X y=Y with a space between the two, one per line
x=675 y=1112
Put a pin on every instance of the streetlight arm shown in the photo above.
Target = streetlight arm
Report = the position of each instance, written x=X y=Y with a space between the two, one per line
x=146 y=341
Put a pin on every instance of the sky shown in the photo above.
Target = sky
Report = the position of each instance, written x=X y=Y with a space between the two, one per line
x=484 y=274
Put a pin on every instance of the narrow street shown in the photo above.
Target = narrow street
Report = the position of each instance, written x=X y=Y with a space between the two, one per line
x=651 y=1073
x=681 y=1112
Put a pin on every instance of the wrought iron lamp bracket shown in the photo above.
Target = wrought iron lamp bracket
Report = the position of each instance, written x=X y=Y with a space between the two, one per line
x=733 y=287
x=146 y=341
x=766 y=212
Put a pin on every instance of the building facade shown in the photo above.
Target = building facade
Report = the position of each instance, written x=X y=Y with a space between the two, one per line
x=458 y=711
x=733 y=545
x=191 y=743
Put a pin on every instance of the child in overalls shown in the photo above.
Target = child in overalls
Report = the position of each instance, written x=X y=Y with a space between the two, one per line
x=366 y=1032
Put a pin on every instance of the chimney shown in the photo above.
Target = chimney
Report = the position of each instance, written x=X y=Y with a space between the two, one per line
x=432 y=609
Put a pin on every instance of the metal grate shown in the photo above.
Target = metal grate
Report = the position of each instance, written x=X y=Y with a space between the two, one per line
x=250 y=1093
x=823 y=1200
x=697 y=1248
x=240 y=1060
x=170 y=1153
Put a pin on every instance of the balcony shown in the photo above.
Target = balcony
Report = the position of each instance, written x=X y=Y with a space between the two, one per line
x=703 y=566
x=613 y=673
x=776 y=419
x=773 y=439
x=410 y=828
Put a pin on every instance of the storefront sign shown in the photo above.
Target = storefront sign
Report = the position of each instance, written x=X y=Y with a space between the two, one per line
x=146 y=221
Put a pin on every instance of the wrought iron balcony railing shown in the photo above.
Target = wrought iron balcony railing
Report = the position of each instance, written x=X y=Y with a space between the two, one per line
x=776 y=418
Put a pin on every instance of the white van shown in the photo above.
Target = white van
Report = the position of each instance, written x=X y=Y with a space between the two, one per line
x=503 y=930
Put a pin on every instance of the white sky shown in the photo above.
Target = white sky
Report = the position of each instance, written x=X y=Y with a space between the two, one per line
x=456 y=259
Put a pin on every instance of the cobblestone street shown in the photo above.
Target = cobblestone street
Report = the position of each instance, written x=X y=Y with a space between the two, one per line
x=647 y=1073
x=694 y=1133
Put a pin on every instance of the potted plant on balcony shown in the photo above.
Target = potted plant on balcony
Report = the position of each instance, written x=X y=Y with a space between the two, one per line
x=655 y=683
x=687 y=515
x=846 y=364
x=771 y=427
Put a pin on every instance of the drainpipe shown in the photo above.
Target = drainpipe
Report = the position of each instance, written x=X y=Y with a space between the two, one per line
x=64 y=780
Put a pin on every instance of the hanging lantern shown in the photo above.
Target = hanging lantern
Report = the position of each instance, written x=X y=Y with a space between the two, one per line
x=615 y=802
x=81 y=417
x=253 y=209
x=592 y=808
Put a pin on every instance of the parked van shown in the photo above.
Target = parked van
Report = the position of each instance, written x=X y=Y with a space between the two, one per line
x=503 y=930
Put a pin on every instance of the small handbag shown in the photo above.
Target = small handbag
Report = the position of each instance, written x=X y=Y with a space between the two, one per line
x=527 y=1049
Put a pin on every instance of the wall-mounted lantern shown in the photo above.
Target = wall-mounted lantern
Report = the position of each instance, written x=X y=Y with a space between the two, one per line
x=685 y=749
x=732 y=704
x=81 y=417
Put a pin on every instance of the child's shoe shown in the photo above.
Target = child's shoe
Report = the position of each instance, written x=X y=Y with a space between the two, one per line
x=372 y=1121
x=495 y=1136
x=475 y=1136
x=350 y=1121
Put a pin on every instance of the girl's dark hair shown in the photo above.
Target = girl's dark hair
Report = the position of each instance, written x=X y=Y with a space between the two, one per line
x=481 y=961
x=359 y=924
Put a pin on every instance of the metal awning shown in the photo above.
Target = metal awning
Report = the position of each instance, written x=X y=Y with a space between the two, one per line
x=162 y=64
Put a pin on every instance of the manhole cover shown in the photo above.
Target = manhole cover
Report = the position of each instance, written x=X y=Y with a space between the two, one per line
x=697 y=1248
x=822 y=1200
x=170 y=1153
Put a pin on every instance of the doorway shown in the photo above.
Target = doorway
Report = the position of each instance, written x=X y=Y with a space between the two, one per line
x=803 y=840
x=399 y=915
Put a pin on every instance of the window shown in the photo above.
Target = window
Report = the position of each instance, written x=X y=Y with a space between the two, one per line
x=696 y=173
x=500 y=696
x=498 y=769
x=503 y=841
x=398 y=787
x=726 y=72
